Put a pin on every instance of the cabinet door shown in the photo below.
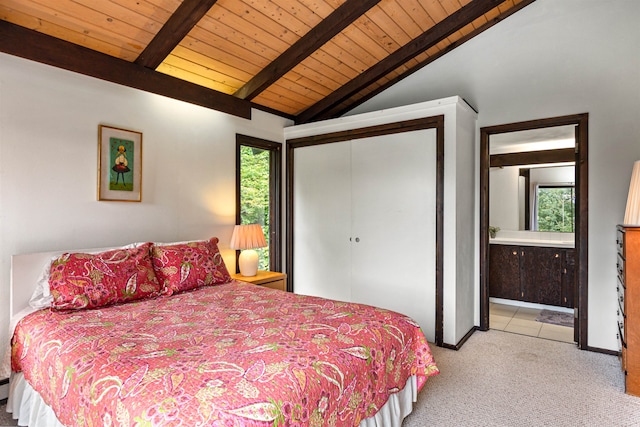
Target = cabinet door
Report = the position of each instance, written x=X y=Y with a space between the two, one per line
x=322 y=212
x=541 y=275
x=393 y=222
x=569 y=278
x=504 y=272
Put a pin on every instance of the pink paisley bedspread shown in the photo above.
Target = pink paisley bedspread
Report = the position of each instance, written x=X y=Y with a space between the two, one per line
x=229 y=355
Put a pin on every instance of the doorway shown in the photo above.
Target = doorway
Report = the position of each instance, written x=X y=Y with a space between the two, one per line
x=580 y=156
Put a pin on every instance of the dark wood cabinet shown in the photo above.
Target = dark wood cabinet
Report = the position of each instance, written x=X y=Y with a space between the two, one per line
x=569 y=278
x=504 y=272
x=541 y=275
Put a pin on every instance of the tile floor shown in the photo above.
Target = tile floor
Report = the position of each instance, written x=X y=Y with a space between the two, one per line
x=521 y=320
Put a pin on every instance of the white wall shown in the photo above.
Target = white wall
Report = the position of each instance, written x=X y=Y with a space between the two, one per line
x=465 y=223
x=48 y=166
x=552 y=175
x=503 y=197
x=555 y=58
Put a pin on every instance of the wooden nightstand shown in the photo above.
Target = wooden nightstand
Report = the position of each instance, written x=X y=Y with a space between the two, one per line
x=269 y=279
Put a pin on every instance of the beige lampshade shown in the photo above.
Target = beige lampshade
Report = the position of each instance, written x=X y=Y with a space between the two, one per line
x=247 y=236
x=632 y=213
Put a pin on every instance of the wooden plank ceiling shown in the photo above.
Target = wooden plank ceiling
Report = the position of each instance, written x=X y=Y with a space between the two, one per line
x=303 y=59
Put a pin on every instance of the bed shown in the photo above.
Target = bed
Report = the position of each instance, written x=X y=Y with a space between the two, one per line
x=178 y=343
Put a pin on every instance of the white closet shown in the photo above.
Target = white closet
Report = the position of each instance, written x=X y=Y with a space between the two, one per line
x=323 y=221
x=363 y=213
x=365 y=222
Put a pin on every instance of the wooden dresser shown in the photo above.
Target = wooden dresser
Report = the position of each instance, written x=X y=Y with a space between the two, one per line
x=628 y=243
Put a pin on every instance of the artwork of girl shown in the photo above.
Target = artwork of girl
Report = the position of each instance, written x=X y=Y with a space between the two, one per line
x=120 y=167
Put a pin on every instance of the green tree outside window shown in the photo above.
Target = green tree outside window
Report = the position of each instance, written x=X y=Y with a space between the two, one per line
x=254 y=194
x=556 y=209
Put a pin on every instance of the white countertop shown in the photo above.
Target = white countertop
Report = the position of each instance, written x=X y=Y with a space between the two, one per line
x=519 y=241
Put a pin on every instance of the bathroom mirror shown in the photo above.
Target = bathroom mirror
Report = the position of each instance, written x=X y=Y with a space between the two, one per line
x=532 y=180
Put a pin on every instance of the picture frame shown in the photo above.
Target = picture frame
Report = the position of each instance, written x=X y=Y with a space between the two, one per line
x=119 y=164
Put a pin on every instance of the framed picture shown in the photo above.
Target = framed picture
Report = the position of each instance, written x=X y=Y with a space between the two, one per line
x=119 y=164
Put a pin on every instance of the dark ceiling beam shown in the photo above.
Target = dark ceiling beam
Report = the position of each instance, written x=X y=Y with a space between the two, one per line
x=423 y=42
x=35 y=46
x=173 y=31
x=342 y=109
x=339 y=19
x=560 y=155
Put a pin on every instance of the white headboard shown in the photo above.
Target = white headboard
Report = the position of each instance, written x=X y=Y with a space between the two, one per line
x=25 y=271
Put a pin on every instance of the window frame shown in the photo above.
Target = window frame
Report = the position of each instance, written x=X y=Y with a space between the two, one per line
x=275 y=194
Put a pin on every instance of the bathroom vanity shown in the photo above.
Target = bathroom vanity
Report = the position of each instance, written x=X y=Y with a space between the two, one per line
x=533 y=267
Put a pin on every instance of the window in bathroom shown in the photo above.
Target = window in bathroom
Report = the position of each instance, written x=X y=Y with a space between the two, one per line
x=556 y=208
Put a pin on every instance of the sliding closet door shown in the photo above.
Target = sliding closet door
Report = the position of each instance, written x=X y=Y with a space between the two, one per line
x=393 y=211
x=322 y=215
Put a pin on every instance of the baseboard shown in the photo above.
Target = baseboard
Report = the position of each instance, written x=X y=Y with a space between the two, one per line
x=603 y=351
x=458 y=346
x=464 y=339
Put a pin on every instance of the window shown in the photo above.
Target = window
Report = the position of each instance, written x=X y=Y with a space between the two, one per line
x=556 y=208
x=258 y=185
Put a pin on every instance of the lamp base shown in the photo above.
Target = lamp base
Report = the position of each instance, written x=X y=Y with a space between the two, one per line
x=248 y=262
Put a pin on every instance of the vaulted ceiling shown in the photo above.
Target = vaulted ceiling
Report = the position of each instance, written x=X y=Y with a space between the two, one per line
x=307 y=60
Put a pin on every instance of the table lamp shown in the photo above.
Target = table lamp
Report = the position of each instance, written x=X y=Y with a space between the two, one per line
x=246 y=238
x=632 y=213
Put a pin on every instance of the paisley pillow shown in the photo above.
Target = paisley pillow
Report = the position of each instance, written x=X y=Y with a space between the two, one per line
x=185 y=266
x=80 y=280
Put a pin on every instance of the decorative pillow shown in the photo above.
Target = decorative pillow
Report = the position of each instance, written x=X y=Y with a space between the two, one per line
x=185 y=266
x=81 y=280
x=41 y=296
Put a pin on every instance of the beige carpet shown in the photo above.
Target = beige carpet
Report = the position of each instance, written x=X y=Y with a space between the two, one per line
x=504 y=379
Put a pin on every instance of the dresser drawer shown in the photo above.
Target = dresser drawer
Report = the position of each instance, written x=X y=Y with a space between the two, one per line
x=623 y=338
x=620 y=288
x=268 y=279
x=276 y=284
x=620 y=242
x=621 y=316
x=622 y=345
x=620 y=269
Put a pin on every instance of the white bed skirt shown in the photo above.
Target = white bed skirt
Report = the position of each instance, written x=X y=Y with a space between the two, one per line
x=29 y=409
x=397 y=407
x=27 y=406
